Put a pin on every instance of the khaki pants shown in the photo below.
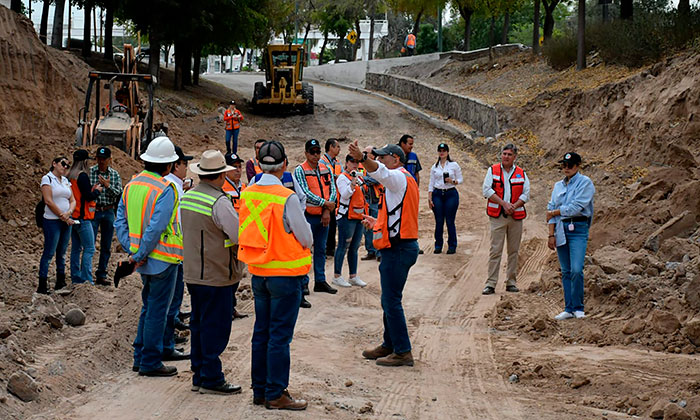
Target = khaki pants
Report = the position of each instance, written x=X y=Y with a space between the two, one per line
x=504 y=229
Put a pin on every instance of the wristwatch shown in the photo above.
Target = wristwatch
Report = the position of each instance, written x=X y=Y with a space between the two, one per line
x=364 y=157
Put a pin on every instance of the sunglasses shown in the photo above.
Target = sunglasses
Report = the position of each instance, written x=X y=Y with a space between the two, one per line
x=65 y=164
x=569 y=165
x=314 y=152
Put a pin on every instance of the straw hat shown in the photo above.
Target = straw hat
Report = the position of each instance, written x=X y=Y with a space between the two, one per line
x=213 y=162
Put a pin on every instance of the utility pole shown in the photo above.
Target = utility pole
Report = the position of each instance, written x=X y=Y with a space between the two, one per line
x=439 y=40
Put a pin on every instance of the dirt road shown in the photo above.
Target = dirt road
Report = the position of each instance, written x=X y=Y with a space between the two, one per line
x=456 y=374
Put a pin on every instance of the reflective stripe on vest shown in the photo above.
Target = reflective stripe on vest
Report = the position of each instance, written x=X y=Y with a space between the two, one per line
x=232 y=124
x=234 y=192
x=201 y=203
x=517 y=183
x=83 y=210
x=264 y=244
x=336 y=168
x=319 y=182
x=356 y=202
x=407 y=222
x=140 y=196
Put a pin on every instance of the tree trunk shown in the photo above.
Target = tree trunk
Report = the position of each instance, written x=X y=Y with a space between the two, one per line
x=177 y=85
x=43 y=27
x=197 y=64
x=684 y=8
x=356 y=45
x=57 y=29
x=416 y=25
x=467 y=13
x=536 y=29
x=626 y=9
x=240 y=69
x=70 y=22
x=187 y=64
x=581 y=35
x=109 y=27
x=323 y=48
x=16 y=6
x=222 y=67
x=549 y=18
x=506 y=25
x=87 y=44
x=492 y=28
x=370 y=46
x=154 y=53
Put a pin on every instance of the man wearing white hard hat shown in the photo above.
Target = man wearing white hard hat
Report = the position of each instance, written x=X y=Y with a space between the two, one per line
x=210 y=227
x=148 y=228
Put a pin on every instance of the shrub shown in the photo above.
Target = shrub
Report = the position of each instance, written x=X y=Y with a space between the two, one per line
x=560 y=51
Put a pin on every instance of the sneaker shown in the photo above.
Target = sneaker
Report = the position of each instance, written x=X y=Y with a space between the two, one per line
x=194 y=388
x=564 y=315
x=339 y=281
x=323 y=287
x=488 y=290
x=223 y=389
x=395 y=359
x=579 y=314
x=369 y=257
x=356 y=281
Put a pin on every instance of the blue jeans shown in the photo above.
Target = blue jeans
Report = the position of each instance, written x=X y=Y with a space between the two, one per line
x=173 y=310
x=156 y=295
x=83 y=241
x=445 y=204
x=320 y=234
x=210 y=325
x=571 y=256
x=349 y=238
x=56 y=237
x=104 y=221
x=369 y=234
x=234 y=301
x=232 y=134
x=393 y=271
x=277 y=302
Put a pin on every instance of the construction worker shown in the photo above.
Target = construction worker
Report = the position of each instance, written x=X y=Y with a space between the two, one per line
x=410 y=44
x=373 y=191
x=315 y=181
x=396 y=236
x=274 y=240
x=351 y=209
x=412 y=162
x=507 y=189
x=105 y=208
x=252 y=167
x=232 y=118
x=177 y=178
x=147 y=226
x=233 y=187
x=83 y=236
x=210 y=234
x=330 y=159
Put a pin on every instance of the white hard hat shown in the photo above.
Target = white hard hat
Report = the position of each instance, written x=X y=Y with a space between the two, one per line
x=160 y=150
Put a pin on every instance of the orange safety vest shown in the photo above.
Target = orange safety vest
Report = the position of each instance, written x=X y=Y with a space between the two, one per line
x=407 y=221
x=231 y=122
x=84 y=209
x=517 y=182
x=356 y=207
x=256 y=166
x=319 y=182
x=411 y=41
x=235 y=193
x=264 y=244
x=336 y=167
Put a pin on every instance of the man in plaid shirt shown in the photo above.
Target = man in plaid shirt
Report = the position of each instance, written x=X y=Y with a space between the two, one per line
x=106 y=208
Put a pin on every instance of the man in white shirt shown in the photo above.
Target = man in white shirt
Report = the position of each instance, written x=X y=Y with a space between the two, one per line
x=507 y=189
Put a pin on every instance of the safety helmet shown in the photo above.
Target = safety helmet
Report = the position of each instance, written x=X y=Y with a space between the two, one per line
x=160 y=150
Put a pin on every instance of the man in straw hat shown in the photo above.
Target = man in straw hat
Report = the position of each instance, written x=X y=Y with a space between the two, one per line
x=147 y=226
x=210 y=229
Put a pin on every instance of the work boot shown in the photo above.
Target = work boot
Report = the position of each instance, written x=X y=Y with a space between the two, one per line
x=43 y=286
x=376 y=353
x=304 y=303
x=60 y=281
x=323 y=287
x=286 y=402
x=395 y=359
x=369 y=257
x=223 y=389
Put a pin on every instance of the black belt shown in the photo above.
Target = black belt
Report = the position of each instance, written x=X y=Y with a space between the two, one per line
x=103 y=208
x=443 y=190
x=575 y=219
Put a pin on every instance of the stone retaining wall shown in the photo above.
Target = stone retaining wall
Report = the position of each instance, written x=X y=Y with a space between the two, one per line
x=479 y=115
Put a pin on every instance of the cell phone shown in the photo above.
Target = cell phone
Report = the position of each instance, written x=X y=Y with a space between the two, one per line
x=188 y=183
x=76 y=222
x=445 y=175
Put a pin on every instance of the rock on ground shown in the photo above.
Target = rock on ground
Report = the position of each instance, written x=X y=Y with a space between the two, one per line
x=673 y=411
x=75 y=317
x=634 y=326
x=664 y=322
x=692 y=331
x=23 y=386
x=692 y=293
x=657 y=410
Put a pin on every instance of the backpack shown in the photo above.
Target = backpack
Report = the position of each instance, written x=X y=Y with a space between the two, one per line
x=39 y=211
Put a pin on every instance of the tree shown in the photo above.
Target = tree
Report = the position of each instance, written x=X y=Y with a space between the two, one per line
x=549 y=6
x=110 y=7
x=536 y=28
x=87 y=43
x=16 y=6
x=581 y=35
x=684 y=8
x=43 y=27
x=466 y=10
x=57 y=30
x=626 y=9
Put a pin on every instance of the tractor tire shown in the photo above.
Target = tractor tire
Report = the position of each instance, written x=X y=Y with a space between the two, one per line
x=307 y=92
x=258 y=93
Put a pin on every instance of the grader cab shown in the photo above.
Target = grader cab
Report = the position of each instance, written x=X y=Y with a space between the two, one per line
x=283 y=89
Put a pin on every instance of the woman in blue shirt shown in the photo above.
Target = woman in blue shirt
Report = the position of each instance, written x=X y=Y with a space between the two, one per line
x=569 y=215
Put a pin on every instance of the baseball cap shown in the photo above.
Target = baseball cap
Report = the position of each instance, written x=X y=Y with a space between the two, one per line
x=81 y=154
x=103 y=152
x=312 y=144
x=571 y=157
x=391 y=149
x=272 y=153
x=181 y=155
x=232 y=158
x=443 y=146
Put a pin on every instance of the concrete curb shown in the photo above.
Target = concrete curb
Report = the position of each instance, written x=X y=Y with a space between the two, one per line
x=412 y=110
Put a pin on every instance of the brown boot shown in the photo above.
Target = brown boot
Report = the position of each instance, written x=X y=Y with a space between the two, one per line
x=286 y=402
x=394 y=359
x=376 y=353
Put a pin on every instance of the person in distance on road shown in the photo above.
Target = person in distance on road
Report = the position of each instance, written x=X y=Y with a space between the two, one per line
x=147 y=227
x=252 y=167
x=569 y=216
x=274 y=239
x=507 y=189
x=443 y=197
x=396 y=236
x=210 y=233
x=232 y=118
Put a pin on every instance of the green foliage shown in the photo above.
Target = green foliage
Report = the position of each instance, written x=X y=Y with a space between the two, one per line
x=560 y=51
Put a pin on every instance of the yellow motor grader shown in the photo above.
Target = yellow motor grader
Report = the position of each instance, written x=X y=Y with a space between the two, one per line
x=283 y=89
